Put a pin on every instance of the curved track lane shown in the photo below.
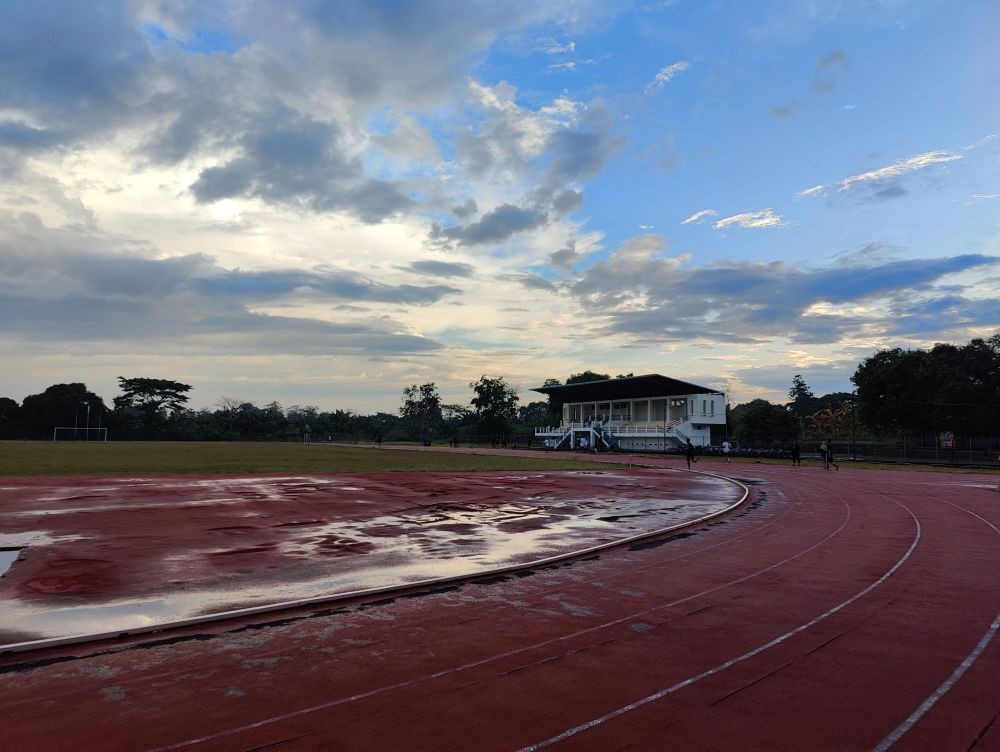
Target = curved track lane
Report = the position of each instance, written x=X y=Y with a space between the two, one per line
x=838 y=611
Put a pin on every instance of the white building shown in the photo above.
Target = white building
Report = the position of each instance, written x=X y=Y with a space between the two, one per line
x=634 y=413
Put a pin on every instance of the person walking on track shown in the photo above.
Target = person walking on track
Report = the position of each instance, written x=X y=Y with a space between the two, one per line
x=829 y=456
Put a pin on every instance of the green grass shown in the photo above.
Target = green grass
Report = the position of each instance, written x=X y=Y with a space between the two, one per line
x=161 y=457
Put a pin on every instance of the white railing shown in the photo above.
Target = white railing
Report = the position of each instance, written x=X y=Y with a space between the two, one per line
x=618 y=429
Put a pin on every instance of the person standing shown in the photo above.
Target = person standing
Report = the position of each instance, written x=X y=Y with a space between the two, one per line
x=689 y=453
x=796 y=454
x=829 y=456
x=726 y=449
x=823 y=454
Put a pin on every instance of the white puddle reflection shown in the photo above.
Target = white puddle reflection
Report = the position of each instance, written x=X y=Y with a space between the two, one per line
x=327 y=558
x=7 y=558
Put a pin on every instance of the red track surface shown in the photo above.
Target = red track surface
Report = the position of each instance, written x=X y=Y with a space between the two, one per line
x=821 y=617
x=115 y=554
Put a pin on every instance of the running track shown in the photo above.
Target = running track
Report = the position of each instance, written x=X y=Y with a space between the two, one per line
x=850 y=610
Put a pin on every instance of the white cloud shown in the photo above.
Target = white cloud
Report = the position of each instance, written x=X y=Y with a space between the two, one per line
x=753 y=220
x=572 y=65
x=662 y=78
x=816 y=190
x=903 y=166
x=980 y=197
x=645 y=296
x=981 y=142
x=408 y=139
x=552 y=47
x=562 y=107
x=697 y=217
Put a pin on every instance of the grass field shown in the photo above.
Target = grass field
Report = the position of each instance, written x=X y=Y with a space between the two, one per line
x=164 y=457
x=155 y=457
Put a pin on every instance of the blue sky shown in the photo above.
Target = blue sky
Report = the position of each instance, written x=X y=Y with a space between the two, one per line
x=321 y=203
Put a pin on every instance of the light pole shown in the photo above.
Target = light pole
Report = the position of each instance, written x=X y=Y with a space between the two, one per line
x=88 y=421
x=854 y=444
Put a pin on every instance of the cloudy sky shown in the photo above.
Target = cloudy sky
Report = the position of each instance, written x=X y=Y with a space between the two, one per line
x=320 y=203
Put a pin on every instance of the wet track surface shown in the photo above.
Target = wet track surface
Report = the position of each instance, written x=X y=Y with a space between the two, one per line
x=112 y=554
x=850 y=610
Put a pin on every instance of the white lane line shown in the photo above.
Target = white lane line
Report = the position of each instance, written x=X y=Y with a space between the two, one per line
x=738 y=659
x=957 y=674
x=499 y=656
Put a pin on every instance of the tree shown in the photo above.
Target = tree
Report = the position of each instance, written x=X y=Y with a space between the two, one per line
x=456 y=416
x=759 y=421
x=341 y=423
x=299 y=420
x=422 y=408
x=534 y=414
x=834 y=401
x=588 y=375
x=153 y=394
x=555 y=404
x=227 y=413
x=903 y=389
x=146 y=403
x=59 y=405
x=8 y=415
x=272 y=420
x=244 y=420
x=949 y=387
x=803 y=401
x=495 y=404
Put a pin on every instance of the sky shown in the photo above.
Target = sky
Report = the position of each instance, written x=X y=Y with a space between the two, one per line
x=320 y=203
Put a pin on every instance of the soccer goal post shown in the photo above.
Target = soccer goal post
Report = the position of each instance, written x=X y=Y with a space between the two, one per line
x=72 y=433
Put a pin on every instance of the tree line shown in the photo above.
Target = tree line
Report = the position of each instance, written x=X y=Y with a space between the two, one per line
x=953 y=388
x=151 y=408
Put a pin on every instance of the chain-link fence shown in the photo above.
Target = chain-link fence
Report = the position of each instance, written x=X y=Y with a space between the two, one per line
x=923 y=449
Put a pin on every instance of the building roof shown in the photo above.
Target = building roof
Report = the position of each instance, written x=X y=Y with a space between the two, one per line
x=628 y=387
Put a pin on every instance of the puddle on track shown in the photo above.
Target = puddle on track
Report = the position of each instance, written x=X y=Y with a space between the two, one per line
x=313 y=557
x=7 y=559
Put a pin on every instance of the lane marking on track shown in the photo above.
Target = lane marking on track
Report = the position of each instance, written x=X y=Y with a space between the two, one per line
x=957 y=674
x=738 y=659
x=499 y=656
